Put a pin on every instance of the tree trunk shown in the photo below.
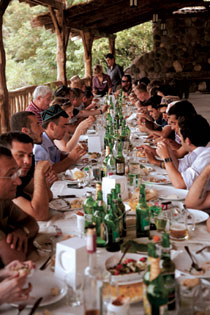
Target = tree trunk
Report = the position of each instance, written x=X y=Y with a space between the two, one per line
x=87 y=39
x=62 y=36
x=112 y=44
x=4 y=103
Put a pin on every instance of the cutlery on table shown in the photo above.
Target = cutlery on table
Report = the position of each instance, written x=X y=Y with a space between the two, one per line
x=44 y=265
x=194 y=264
x=123 y=255
x=21 y=308
x=35 y=306
x=200 y=250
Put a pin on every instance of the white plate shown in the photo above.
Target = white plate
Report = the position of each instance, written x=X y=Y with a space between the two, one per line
x=42 y=282
x=199 y=216
x=169 y=190
x=127 y=278
x=158 y=177
x=183 y=263
x=63 y=204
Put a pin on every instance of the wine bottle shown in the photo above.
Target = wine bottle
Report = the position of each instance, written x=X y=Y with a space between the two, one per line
x=89 y=206
x=112 y=227
x=168 y=271
x=142 y=215
x=99 y=215
x=122 y=208
x=156 y=292
x=93 y=277
x=120 y=161
x=146 y=278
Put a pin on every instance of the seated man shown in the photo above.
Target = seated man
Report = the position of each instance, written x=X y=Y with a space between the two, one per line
x=41 y=99
x=17 y=228
x=198 y=196
x=195 y=134
x=54 y=123
x=37 y=204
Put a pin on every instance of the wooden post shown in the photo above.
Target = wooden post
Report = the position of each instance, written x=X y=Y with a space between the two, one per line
x=87 y=39
x=4 y=103
x=62 y=36
x=112 y=44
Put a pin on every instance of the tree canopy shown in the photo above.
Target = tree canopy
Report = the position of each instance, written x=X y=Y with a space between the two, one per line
x=31 y=53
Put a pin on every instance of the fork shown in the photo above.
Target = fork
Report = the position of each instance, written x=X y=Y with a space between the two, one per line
x=200 y=250
x=21 y=308
x=194 y=264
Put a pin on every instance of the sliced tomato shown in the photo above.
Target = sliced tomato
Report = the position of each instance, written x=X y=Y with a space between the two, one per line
x=128 y=260
x=119 y=267
x=143 y=259
x=116 y=272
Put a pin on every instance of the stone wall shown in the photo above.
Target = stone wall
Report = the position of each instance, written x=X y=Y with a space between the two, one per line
x=181 y=52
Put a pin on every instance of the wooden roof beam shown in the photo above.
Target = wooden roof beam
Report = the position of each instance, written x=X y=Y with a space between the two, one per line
x=55 y=4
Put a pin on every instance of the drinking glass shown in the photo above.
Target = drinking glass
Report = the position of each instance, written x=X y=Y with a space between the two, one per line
x=180 y=222
x=74 y=295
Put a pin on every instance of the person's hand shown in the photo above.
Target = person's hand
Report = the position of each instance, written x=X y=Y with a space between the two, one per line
x=162 y=150
x=51 y=177
x=84 y=125
x=11 y=289
x=18 y=240
x=12 y=268
x=150 y=157
x=77 y=153
x=43 y=167
x=104 y=108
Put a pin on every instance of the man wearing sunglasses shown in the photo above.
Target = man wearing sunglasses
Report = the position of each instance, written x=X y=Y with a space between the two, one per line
x=16 y=226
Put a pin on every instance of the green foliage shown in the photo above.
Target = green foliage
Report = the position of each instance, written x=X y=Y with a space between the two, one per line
x=31 y=52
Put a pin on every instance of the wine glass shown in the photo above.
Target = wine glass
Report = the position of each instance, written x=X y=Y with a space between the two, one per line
x=74 y=284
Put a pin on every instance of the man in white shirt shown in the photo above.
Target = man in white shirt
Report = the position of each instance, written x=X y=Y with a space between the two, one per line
x=195 y=134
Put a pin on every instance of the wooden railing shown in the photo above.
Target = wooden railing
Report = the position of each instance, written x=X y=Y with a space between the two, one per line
x=20 y=98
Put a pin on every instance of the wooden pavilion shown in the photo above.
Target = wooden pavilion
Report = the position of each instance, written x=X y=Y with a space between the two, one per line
x=90 y=20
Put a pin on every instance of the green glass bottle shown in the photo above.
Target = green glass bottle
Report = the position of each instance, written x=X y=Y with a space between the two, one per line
x=89 y=206
x=99 y=214
x=146 y=278
x=156 y=292
x=110 y=165
x=142 y=215
x=120 y=161
x=121 y=206
x=113 y=242
x=117 y=211
x=168 y=271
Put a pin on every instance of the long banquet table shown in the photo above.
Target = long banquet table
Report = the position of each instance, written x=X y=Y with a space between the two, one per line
x=66 y=221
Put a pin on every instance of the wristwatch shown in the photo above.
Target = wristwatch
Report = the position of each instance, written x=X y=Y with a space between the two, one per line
x=167 y=160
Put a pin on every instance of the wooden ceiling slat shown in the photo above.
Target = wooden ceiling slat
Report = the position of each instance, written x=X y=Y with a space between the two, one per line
x=108 y=17
x=55 y=4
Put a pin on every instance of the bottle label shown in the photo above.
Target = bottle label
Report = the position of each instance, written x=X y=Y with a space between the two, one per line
x=116 y=238
x=91 y=243
x=145 y=223
x=120 y=168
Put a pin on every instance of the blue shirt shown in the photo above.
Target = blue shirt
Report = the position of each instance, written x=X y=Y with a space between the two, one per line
x=47 y=151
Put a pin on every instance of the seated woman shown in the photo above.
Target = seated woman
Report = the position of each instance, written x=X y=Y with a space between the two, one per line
x=101 y=82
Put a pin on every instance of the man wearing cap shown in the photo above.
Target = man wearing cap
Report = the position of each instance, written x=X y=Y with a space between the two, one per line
x=54 y=122
x=114 y=71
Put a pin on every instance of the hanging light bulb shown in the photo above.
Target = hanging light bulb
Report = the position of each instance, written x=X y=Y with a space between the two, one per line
x=133 y=3
x=155 y=17
x=162 y=26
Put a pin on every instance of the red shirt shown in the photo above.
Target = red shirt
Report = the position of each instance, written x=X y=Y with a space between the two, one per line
x=36 y=110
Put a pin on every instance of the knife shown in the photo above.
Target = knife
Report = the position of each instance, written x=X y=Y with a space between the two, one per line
x=67 y=196
x=35 y=306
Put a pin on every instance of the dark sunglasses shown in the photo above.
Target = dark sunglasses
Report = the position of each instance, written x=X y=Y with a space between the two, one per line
x=124 y=81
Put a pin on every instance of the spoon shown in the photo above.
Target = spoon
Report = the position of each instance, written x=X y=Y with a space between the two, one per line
x=123 y=255
x=194 y=264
